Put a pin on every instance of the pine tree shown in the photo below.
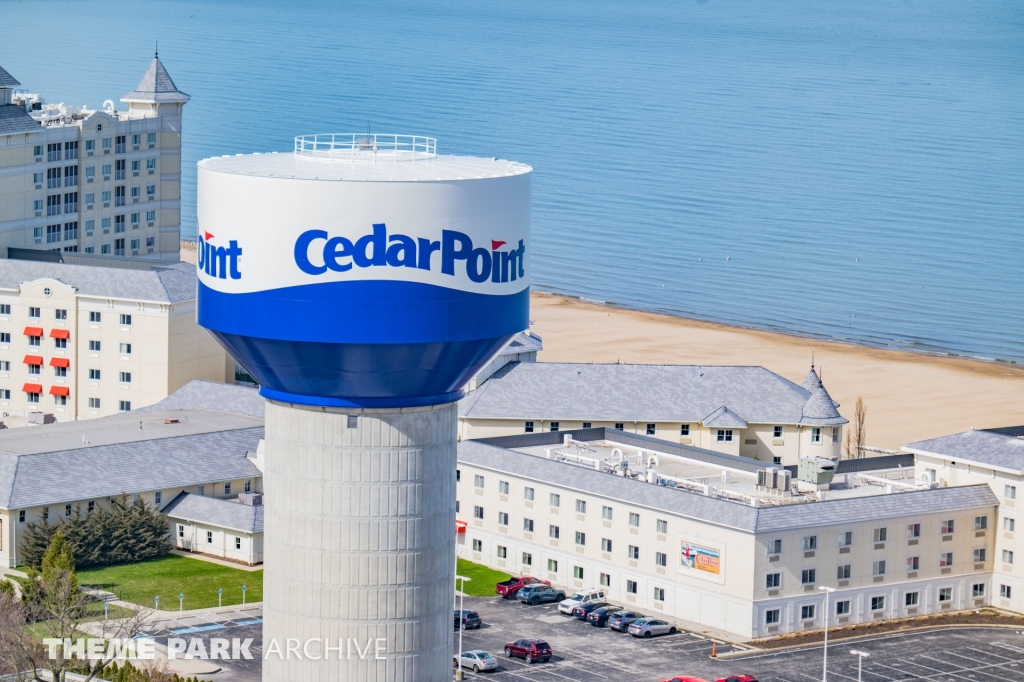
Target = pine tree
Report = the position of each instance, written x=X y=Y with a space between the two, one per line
x=35 y=541
x=58 y=557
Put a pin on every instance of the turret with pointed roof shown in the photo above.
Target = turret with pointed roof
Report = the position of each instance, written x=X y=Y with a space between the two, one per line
x=156 y=86
x=811 y=381
x=820 y=409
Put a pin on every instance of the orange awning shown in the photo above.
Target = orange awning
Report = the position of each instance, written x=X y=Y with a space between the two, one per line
x=33 y=331
x=59 y=390
x=60 y=334
x=33 y=359
x=32 y=388
x=460 y=526
x=60 y=362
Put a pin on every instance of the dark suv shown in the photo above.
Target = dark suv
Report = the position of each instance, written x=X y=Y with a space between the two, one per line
x=599 y=617
x=530 y=649
x=539 y=594
x=469 y=620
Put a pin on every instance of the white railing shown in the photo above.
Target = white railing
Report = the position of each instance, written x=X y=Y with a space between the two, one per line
x=357 y=145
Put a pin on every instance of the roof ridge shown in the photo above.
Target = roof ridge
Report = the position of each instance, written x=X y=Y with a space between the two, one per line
x=132 y=442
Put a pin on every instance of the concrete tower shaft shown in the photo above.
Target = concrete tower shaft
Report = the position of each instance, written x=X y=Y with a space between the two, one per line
x=360 y=543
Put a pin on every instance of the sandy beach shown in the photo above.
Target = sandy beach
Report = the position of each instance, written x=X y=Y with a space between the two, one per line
x=909 y=396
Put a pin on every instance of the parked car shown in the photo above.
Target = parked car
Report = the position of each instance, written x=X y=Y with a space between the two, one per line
x=737 y=678
x=583 y=610
x=469 y=620
x=530 y=649
x=686 y=678
x=649 y=627
x=539 y=594
x=599 y=617
x=567 y=605
x=621 y=620
x=476 y=661
x=508 y=588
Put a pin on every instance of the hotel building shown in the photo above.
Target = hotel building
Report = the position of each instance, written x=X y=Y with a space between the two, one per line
x=100 y=181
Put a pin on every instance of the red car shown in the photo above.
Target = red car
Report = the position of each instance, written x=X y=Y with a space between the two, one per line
x=684 y=678
x=530 y=649
x=509 y=588
x=737 y=678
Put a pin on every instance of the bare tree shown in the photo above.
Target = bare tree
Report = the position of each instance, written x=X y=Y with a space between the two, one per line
x=857 y=433
x=19 y=652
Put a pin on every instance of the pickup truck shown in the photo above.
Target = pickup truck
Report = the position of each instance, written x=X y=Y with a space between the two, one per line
x=510 y=587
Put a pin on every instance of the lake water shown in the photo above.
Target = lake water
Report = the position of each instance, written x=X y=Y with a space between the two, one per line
x=847 y=170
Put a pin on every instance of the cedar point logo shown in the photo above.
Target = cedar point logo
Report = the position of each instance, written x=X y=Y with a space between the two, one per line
x=217 y=261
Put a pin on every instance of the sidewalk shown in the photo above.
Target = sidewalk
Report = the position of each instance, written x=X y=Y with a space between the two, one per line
x=215 y=560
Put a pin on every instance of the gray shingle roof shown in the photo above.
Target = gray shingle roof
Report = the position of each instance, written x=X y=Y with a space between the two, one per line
x=156 y=86
x=984 y=447
x=671 y=393
x=13 y=119
x=173 y=283
x=723 y=417
x=210 y=395
x=811 y=381
x=211 y=511
x=523 y=342
x=7 y=80
x=109 y=470
x=821 y=410
x=719 y=511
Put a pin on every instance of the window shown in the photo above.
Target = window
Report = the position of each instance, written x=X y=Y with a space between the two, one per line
x=835 y=435
x=724 y=435
x=119 y=197
x=619 y=426
x=503 y=487
x=605 y=580
x=528 y=494
x=877 y=603
x=913 y=531
x=119 y=243
x=53 y=178
x=810 y=543
x=90 y=146
x=150 y=216
x=71 y=150
x=581 y=538
x=181 y=531
x=772 y=581
x=606 y=513
x=659 y=594
x=845 y=538
x=660 y=558
x=634 y=519
x=478 y=545
x=71 y=176
x=135 y=245
x=881 y=534
x=631 y=586
x=34 y=312
x=771 y=616
x=60 y=343
x=60 y=400
x=1009 y=524
x=94 y=375
x=588 y=425
x=90 y=227
x=980 y=523
x=53 y=204
x=662 y=526
x=53 y=151
x=581 y=506
x=248 y=486
x=843 y=607
x=119 y=144
x=70 y=232
x=158 y=498
x=209 y=537
x=913 y=563
x=946 y=559
x=34 y=369
x=227 y=488
x=502 y=552
x=774 y=547
x=126 y=320
x=807 y=612
x=135 y=221
x=555 y=500
x=105 y=224
x=238 y=543
x=150 y=165
x=52 y=233
x=878 y=567
x=502 y=518
x=200 y=490
x=554 y=426
x=151 y=141
x=1010 y=492
x=150 y=191
x=977 y=590
x=478 y=481
x=606 y=545
x=125 y=348
x=94 y=403
x=911 y=599
x=684 y=430
x=106 y=145
x=5 y=394
x=947 y=527
x=136 y=165
x=577 y=572
x=554 y=532
x=979 y=555
x=126 y=377
x=633 y=552
x=527 y=559
x=1004 y=591
x=1007 y=556
x=843 y=571
x=945 y=594
x=33 y=398
x=478 y=512
x=808 y=576
x=777 y=432
x=528 y=427
x=37 y=206
x=652 y=429
x=552 y=565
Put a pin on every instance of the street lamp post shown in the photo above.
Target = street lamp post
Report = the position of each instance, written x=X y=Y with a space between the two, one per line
x=861 y=655
x=824 y=666
x=462 y=601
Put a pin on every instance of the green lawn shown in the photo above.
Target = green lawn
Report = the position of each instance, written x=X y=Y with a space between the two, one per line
x=482 y=579
x=172 y=575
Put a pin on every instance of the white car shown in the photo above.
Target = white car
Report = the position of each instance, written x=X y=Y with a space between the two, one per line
x=477 y=660
x=567 y=605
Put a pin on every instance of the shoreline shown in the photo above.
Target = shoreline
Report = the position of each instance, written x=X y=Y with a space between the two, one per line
x=910 y=395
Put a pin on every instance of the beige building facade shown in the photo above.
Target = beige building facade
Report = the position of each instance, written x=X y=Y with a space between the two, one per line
x=101 y=181
x=88 y=340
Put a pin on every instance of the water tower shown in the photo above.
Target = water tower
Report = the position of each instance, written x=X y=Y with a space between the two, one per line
x=362 y=281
